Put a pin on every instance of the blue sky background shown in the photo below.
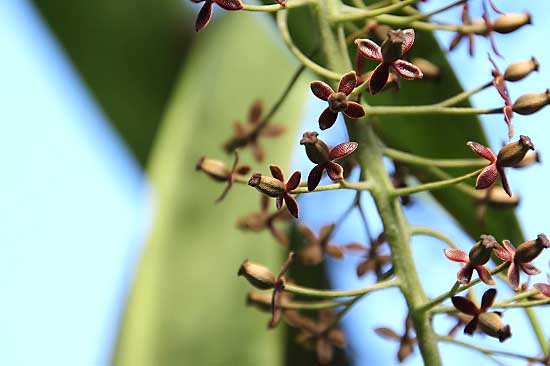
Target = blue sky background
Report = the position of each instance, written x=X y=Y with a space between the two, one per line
x=74 y=204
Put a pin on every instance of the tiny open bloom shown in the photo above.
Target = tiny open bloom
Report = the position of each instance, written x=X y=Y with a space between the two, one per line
x=464 y=274
x=337 y=101
x=397 y=43
x=500 y=85
x=510 y=155
x=406 y=341
x=217 y=170
x=205 y=14
x=319 y=153
x=278 y=286
x=544 y=288
x=466 y=20
x=315 y=248
x=276 y=187
x=374 y=261
x=520 y=257
x=489 y=323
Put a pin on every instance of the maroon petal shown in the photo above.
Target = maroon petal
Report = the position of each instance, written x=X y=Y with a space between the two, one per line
x=279 y=202
x=368 y=49
x=456 y=255
x=342 y=150
x=464 y=305
x=487 y=177
x=204 y=16
x=277 y=173
x=407 y=70
x=464 y=274
x=243 y=170
x=488 y=299
x=293 y=181
x=513 y=276
x=257 y=150
x=281 y=2
x=529 y=268
x=387 y=333
x=291 y=204
x=354 y=110
x=347 y=83
x=230 y=4
x=503 y=254
x=327 y=119
x=255 y=112
x=471 y=326
x=485 y=275
x=543 y=288
x=409 y=40
x=321 y=90
x=379 y=78
x=335 y=171
x=225 y=191
x=509 y=247
x=504 y=181
x=314 y=177
x=273 y=130
x=482 y=151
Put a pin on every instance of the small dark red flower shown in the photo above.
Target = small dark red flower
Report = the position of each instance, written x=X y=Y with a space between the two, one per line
x=500 y=85
x=464 y=274
x=337 y=101
x=276 y=187
x=389 y=54
x=205 y=14
x=544 y=288
x=314 y=249
x=466 y=20
x=374 y=261
x=406 y=341
x=278 y=287
x=319 y=153
x=489 y=323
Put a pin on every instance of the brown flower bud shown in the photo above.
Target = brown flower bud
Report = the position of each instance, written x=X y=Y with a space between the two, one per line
x=531 y=249
x=492 y=325
x=267 y=185
x=510 y=22
x=258 y=276
x=260 y=300
x=529 y=159
x=514 y=152
x=531 y=103
x=392 y=47
x=317 y=151
x=520 y=69
x=429 y=69
x=215 y=169
x=481 y=251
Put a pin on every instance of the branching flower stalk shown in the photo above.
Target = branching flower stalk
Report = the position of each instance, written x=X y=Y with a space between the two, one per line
x=346 y=88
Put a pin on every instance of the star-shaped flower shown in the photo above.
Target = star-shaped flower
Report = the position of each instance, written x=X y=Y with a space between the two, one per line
x=337 y=101
x=466 y=20
x=374 y=261
x=205 y=14
x=389 y=54
x=479 y=255
x=315 y=248
x=509 y=156
x=489 y=323
x=319 y=153
x=276 y=187
x=406 y=341
x=500 y=85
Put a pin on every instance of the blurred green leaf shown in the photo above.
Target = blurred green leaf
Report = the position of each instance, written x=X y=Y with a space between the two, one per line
x=128 y=53
x=187 y=306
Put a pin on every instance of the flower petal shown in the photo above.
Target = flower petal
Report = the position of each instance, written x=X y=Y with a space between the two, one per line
x=321 y=90
x=325 y=232
x=543 y=288
x=277 y=173
x=324 y=350
x=488 y=299
x=456 y=255
x=354 y=110
x=513 y=276
x=257 y=150
x=255 y=112
x=387 y=333
x=485 y=275
x=342 y=150
x=407 y=70
x=273 y=130
x=279 y=202
x=368 y=49
x=365 y=267
x=379 y=78
x=204 y=16
x=334 y=171
x=464 y=305
x=306 y=232
x=409 y=40
x=471 y=326
x=487 y=177
x=529 y=268
x=347 y=83
x=482 y=151
x=281 y=2
x=503 y=254
x=314 y=177
x=327 y=119
x=504 y=181
x=464 y=274
x=293 y=181
x=230 y=4
x=291 y=204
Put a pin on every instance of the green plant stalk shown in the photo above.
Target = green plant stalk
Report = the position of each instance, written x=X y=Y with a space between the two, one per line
x=311 y=292
x=433 y=185
x=441 y=163
x=428 y=109
x=424 y=230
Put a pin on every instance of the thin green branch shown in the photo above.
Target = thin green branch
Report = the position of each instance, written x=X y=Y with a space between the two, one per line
x=424 y=230
x=441 y=163
x=537 y=329
x=463 y=96
x=428 y=110
x=359 y=186
x=427 y=16
x=433 y=186
x=360 y=14
x=291 y=4
x=327 y=304
x=311 y=292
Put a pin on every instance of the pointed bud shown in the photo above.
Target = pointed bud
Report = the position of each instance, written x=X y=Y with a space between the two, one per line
x=215 y=169
x=260 y=300
x=529 y=159
x=267 y=185
x=531 y=103
x=317 y=151
x=258 y=276
x=429 y=69
x=392 y=47
x=519 y=70
x=531 y=249
x=481 y=251
x=510 y=22
x=514 y=152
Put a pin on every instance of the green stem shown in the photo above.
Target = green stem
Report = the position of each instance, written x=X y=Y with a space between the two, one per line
x=359 y=186
x=464 y=95
x=424 y=230
x=433 y=186
x=441 y=163
x=360 y=14
x=328 y=304
x=539 y=333
x=291 y=4
x=437 y=11
x=428 y=110
x=311 y=292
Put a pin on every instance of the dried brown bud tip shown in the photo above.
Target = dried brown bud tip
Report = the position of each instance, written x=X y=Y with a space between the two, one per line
x=392 y=47
x=508 y=23
x=429 y=69
x=492 y=325
x=519 y=70
x=267 y=185
x=531 y=249
x=481 y=251
x=531 y=103
x=258 y=276
x=317 y=151
x=514 y=152
x=215 y=169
